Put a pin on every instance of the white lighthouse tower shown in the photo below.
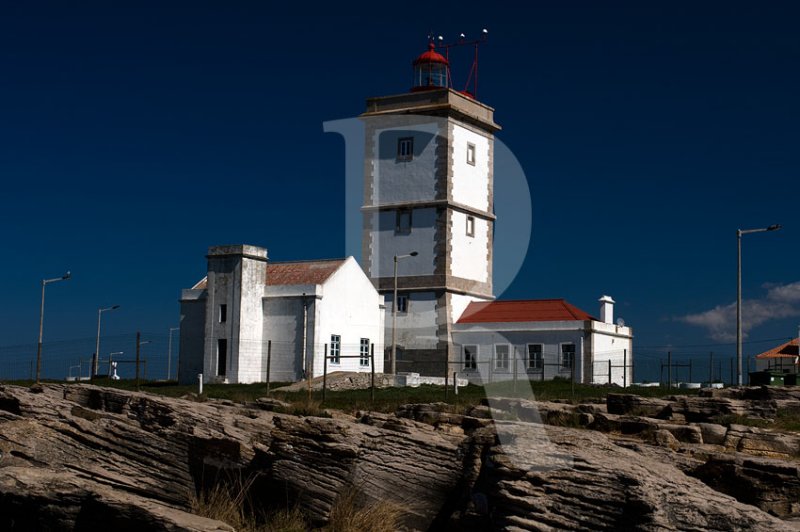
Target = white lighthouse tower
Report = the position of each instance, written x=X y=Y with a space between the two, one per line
x=428 y=190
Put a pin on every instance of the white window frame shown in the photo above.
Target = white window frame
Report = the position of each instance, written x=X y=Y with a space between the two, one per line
x=497 y=366
x=472 y=363
x=562 y=366
x=538 y=368
x=470 y=226
x=405 y=149
x=470 y=153
x=335 y=353
x=363 y=361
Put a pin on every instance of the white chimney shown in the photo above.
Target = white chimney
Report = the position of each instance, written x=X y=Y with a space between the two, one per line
x=606 y=309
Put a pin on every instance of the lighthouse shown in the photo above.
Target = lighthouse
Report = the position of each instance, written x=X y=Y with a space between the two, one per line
x=428 y=215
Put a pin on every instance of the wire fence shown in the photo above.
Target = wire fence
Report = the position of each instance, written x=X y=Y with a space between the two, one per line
x=73 y=359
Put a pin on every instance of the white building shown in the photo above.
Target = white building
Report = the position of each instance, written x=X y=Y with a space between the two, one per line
x=248 y=313
x=540 y=340
x=428 y=211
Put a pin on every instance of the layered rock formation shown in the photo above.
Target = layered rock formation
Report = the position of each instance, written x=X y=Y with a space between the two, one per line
x=78 y=457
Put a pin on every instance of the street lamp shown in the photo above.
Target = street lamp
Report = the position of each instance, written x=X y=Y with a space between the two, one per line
x=96 y=362
x=739 y=233
x=45 y=282
x=169 y=351
x=394 y=311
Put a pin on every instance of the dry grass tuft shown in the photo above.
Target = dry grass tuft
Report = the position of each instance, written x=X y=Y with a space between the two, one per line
x=350 y=516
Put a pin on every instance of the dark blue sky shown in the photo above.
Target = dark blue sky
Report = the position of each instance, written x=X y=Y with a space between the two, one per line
x=133 y=136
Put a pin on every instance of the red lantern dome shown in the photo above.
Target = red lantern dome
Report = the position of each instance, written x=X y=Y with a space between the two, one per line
x=431 y=70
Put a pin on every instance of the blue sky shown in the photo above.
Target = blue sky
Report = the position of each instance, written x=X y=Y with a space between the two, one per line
x=135 y=135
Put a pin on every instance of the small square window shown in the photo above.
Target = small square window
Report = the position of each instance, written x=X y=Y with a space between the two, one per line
x=364 y=352
x=470 y=226
x=535 y=357
x=336 y=349
x=402 y=303
x=223 y=313
x=501 y=357
x=403 y=222
x=405 y=149
x=470 y=357
x=470 y=153
x=567 y=356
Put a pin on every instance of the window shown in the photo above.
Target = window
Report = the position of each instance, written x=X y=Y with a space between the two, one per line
x=222 y=356
x=470 y=226
x=471 y=153
x=501 y=357
x=336 y=349
x=403 y=222
x=223 y=313
x=364 y=359
x=402 y=303
x=405 y=148
x=470 y=357
x=567 y=356
x=535 y=358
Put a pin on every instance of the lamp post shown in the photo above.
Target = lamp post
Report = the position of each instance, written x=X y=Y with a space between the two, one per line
x=394 y=311
x=169 y=351
x=45 y=282
x=739 y=233
x=96 y=362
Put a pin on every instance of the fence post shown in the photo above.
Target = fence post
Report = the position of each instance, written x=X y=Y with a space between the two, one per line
x=269 y=360
x=515 y=370
x=669 y=370
x=138 y=342
x=446 y=376
x=455 y=383
x=710 y=367
x=372 y=376
x=325 y=373
x=609 y=372
x=624 y=368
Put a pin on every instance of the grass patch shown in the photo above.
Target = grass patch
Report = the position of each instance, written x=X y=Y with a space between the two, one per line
x=389 y=399
x=348 y=515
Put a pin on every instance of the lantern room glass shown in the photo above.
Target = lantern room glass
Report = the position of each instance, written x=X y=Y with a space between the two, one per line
x=430 y=75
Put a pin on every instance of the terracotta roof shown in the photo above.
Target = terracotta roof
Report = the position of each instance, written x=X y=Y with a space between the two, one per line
x=787 y=350
x=289 y=273
x=301 y=272
x=522 y=311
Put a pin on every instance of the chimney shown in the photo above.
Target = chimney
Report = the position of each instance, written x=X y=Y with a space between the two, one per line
x=606 y=309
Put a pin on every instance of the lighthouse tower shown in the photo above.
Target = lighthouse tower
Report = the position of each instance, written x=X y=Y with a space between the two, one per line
x=428 y=210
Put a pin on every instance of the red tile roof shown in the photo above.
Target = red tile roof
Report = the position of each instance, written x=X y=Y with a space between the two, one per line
x=289 y=273
x=787 y=350
x=302 y=272
x=522 y=311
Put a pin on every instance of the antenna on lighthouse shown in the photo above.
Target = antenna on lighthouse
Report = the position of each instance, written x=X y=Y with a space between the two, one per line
x=432 y=70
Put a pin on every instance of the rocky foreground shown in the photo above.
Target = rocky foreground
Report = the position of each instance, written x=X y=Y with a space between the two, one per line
x=81 y=457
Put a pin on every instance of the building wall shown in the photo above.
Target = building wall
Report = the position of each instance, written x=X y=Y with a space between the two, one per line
x=397 y=181
x=386 y=243
x=469 y=258
x=417 y=328
x=283 y=326
x=486 y=336
x=192 y=341
x=614 y=343
x=249 y=366
x=351 y=308
x=470 y=183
